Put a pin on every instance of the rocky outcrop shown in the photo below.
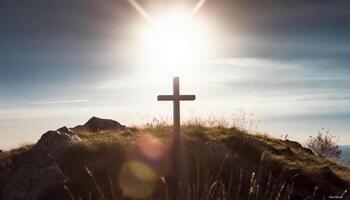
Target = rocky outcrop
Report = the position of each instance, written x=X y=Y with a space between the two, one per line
x=53 y=142
x=96 y=124
x=66 y=130
x=36 y=173
x=37 y=169
x=296 y=145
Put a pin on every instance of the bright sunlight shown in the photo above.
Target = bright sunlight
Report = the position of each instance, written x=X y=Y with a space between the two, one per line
x=174 y=43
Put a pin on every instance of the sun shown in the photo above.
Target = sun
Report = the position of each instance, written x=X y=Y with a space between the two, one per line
x=174 y=42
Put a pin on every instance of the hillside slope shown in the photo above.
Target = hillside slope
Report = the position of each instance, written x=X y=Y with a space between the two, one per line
x=125 y=163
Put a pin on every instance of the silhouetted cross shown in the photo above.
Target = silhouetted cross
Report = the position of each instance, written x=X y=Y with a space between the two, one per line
x=176 y=98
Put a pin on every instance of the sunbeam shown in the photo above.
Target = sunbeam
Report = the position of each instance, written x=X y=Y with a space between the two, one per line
x=198 y=6
x=140 y=10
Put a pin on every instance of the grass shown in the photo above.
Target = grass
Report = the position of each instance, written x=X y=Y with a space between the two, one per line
x=239 y=171
x=218 y=161
x=9 y=158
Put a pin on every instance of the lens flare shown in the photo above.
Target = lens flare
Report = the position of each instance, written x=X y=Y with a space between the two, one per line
x=151 y=147
x=137 y=179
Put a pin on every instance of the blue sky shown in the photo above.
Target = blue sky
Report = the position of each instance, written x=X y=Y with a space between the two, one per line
x=62 y=62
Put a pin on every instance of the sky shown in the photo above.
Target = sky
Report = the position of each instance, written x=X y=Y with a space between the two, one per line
x=285 y=63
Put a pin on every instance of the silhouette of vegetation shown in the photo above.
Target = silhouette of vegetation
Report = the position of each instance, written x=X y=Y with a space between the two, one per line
x=325 y=145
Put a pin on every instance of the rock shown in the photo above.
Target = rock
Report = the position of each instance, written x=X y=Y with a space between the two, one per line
x=38 y=170
x=64 y=129
x=296 y=145
x=287 y=151
x=32 y=178
x=96 y=124
x=53 y=142
x=293 y=144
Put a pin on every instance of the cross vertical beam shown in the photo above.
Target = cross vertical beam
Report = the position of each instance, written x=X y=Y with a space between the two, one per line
x=176 y=98
x=178 y=165
x=176 y=103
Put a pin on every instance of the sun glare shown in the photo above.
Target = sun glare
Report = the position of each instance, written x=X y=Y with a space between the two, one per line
x=174 y=42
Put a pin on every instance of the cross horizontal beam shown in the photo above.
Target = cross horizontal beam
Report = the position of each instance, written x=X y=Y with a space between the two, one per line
x=172 y=97
x=176 y=98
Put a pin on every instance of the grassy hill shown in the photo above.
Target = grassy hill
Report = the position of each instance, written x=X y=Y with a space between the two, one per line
x=215 y=163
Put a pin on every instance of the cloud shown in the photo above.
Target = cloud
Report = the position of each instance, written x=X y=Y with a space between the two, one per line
x=60 y=102
x=242 y=62
x=288 y=81
x=305 y=84
x=48 y=102
x=314 y=116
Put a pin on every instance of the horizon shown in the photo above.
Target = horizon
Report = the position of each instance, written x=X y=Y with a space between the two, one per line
x=286 y=64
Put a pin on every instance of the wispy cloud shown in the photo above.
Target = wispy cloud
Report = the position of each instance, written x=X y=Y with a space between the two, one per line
x=46 y=102
x=60 y=102
x=242 y=61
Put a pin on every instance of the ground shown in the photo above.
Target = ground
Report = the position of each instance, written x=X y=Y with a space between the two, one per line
x=215 y=163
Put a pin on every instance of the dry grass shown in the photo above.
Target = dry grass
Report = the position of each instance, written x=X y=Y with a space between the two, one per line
x=256 y=167
x=8 y=158
x=223 y=161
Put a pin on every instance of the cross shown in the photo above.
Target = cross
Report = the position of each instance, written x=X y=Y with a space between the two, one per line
x=176 y=98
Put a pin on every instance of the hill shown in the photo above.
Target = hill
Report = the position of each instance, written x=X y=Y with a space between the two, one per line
x=106 y=160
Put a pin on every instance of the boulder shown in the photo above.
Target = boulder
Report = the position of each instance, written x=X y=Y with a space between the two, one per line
x=53 y=142
x=33 y=177
x=96 y=124
x=64 y=129
x=38 y=170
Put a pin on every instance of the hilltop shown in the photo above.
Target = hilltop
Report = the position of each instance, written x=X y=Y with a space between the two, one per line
x=104 y=159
